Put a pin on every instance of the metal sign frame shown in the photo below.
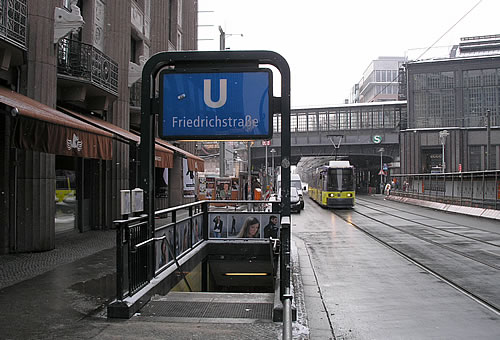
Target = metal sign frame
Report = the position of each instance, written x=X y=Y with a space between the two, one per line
x=210 y=113
x=217 y=60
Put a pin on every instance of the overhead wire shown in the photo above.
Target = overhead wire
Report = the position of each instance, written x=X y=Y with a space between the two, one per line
x=431 y=46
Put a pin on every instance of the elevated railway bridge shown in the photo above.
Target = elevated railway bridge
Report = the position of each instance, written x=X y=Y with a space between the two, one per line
x=366 y=134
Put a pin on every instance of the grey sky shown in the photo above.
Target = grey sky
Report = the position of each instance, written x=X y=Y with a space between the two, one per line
x=329 y=43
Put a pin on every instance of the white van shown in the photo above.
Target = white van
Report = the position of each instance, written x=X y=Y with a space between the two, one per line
x=295 y=182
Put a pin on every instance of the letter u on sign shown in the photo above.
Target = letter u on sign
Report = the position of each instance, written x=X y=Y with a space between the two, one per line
x=207 y=93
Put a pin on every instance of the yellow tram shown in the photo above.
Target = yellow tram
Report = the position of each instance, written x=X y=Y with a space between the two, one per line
x=333 y=185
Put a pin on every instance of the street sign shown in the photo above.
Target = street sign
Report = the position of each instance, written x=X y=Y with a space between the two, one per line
x=216 y=106
x=385 y=168
x=377 y=139
x=382 y=172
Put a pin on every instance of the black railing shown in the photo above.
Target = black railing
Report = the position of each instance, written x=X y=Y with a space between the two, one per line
x=142 y=256
x=86 y=62
x=13 y=21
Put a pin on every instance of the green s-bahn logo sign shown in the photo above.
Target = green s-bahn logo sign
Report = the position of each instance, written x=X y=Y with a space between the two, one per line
x=377 y=139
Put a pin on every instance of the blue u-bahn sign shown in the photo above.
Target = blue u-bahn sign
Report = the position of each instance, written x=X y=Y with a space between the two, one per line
x=216 y=106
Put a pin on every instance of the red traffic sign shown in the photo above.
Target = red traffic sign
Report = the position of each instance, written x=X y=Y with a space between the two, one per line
x=382 y=172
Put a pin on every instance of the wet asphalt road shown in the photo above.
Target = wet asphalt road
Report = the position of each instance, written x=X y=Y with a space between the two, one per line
x=366 y=290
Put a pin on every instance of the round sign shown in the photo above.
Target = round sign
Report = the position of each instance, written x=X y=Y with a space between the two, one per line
x=377 y=139
x=285 y=163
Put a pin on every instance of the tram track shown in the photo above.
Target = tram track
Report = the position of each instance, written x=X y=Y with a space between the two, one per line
x=493 y=306
x=441 y=229
x=424 y=216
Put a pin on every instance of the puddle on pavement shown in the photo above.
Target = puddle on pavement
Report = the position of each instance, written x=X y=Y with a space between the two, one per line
x=103 y=287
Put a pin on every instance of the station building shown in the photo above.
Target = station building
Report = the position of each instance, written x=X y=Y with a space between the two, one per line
x=453 y=107
x=70 y=113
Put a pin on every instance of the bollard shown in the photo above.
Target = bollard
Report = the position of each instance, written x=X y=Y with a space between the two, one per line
x=287 y=315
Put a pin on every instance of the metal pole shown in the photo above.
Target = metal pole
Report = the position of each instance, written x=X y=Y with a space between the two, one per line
x=222 y=151
x=273 y=179
x=444 y=165
x=249 y=180
x=381 y=167
x=222 y=39
x=222 y=167
x=442 y=135
x=267 y=174
x=488 y=134
x=381 y=150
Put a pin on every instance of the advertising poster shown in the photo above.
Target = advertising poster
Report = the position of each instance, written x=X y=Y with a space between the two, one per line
x=197 y=234
x=188 y=180
x=202 y=188
x=223 y=189
x=210 y=188
x=244 y=225
x=182 y=236
x=163 y=256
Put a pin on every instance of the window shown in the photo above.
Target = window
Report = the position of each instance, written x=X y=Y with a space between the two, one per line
x=389 y=118
x=277 y=123
x=378 y=119
x=340 y=179
x=472 y=78
x=434 y=99
x=493 y=157
x=323 y=121
x=475 y=157
x=293 y=123
x=302 y=122
x=133 y=50
x=344 y=120
x=366 y=121
x=334 y=121
x=311 y=122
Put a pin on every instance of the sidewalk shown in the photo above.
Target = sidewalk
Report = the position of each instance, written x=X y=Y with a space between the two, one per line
x=63 y=294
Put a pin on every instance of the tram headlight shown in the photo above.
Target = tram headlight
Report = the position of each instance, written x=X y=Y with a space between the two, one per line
x=331 y=195
x=349 y=195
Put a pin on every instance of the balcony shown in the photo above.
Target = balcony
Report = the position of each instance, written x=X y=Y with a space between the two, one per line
x=84 y=62
x=13 y=21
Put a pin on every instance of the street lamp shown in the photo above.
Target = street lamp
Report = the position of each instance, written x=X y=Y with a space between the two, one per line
x=273 y=151
x=442 y=136
x=222 y=38
x=381 y=150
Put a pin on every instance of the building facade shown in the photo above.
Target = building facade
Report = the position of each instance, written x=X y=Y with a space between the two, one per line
x=69 y=77
x=379 y=81
x=454 y=108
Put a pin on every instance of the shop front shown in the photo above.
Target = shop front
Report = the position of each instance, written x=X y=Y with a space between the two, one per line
x=45 y=145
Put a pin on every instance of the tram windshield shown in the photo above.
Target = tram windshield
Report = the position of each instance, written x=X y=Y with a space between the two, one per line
x=340 y=180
